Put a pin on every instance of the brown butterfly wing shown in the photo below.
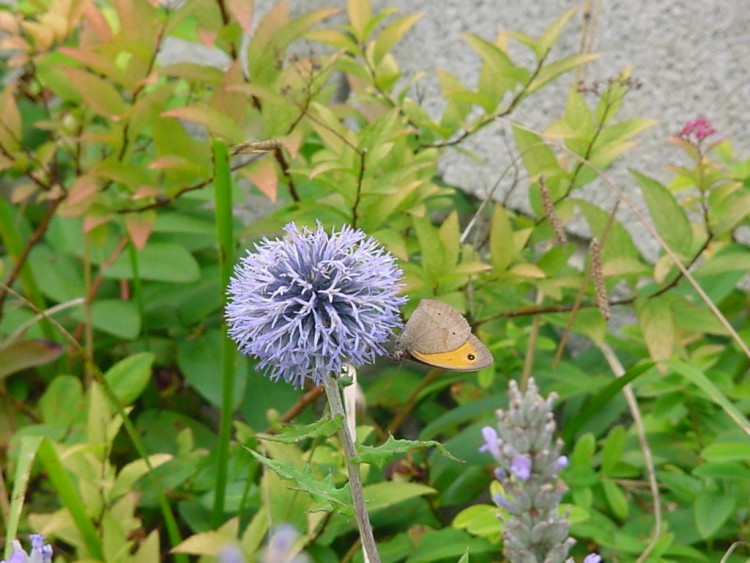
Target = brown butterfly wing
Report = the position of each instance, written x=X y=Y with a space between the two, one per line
x=472 y=355
x=433 y=327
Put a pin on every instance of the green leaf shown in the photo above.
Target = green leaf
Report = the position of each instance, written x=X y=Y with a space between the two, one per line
x=98 y=94
x=431 y=247
x=388 y=493
x=598 y=401
x=197 y=360
x=669 y=217
x=113 y=316
x=617 y=245
x=699 y=379
x=613 y=448
x=502 y=251
x=480 y=520
x=62 y=402
x=449 y=544
x=129 y=377
x=391 y=34
x=323 y=491
x=379 y=455
x=732 y=259
x=711 y=510
x=730 y=212
x=616 y=499
x=59 y=276
x=322 y=428
x=726 y=451
x=159 y=261
x=658 y=328
x=551 y=71
x=729 y=470
x=552 y=33
x=537 y=156
x=217 y=124
x=450 y=237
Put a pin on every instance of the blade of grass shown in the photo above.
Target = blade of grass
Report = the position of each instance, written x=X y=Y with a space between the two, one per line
x=225 y=239
x=69 y=497
x=699 y=379
x=26 y=456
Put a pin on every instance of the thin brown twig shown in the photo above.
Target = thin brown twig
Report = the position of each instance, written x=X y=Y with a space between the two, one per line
x=20 y=262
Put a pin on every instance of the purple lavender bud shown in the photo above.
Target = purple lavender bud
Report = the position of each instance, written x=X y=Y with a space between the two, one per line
x=561 y=462
x=500 y=473
x=491 y=442
x=309 y=303
x=501 y=501
x=521 y=467
x=18 y=555
x=592 y=558
x=231 y=554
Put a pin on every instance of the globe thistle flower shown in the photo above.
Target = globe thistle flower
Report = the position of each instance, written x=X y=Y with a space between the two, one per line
x=311 y=302
x=40 y=551
x=529 y=465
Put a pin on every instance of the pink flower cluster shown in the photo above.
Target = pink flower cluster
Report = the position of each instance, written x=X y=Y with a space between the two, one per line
x=697 y=129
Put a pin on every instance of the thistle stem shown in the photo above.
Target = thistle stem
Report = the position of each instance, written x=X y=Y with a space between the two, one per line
x=355 y=481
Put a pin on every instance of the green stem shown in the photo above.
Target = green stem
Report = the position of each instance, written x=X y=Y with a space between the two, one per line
x=355 y=481
x=225 y=239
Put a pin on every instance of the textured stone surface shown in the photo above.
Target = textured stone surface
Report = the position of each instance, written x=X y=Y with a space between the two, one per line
x=689 y=56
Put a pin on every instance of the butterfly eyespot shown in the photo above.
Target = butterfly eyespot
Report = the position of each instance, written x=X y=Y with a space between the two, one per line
x=471 y=357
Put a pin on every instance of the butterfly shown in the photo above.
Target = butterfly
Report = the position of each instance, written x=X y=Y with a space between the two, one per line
x=438 y=335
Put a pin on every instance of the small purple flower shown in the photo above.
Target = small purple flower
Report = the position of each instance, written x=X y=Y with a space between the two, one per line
x=491 y=442
x=311 y=302
x=40 y=551
x=231 y=554
x=697 y=129
x=521 y=467
x=561 y=462
x=501 y=501
x=592 y=558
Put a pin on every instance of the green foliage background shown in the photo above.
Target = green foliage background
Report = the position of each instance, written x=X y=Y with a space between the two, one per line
x=119 y=176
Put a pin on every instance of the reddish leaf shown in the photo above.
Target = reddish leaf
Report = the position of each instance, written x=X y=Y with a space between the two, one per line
x=26 y=354
x=9 y=23
x=242 y=10
x=80 y=196
x=145 y=191
x=94 y=219
x=10 y=132
x=95 y=61
x=292 y=142
x=207 y=37
x=95 y=29
x=262 y=173
x=139 y=227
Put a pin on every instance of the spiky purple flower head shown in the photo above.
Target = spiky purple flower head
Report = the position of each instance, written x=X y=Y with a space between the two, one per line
x=309 y=303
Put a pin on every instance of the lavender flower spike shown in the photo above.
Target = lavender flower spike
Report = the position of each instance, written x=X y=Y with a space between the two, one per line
x=309 y=303
x=530 y=463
